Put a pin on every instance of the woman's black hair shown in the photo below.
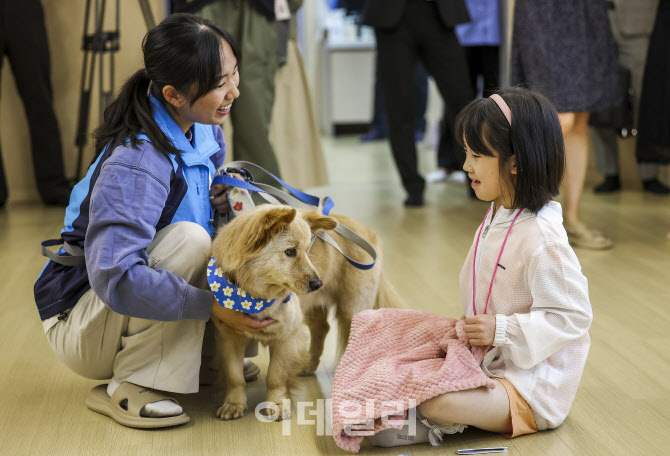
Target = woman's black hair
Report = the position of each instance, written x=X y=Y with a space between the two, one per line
x=183 y=51
x=534 y=139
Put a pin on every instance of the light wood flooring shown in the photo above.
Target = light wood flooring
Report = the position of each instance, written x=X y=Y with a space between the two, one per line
x=622 y=407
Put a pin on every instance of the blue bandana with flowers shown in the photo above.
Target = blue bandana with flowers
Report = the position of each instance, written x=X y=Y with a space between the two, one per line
x=230 y=295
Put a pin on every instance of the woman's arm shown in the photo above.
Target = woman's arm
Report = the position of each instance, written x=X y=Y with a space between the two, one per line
x=126 y=205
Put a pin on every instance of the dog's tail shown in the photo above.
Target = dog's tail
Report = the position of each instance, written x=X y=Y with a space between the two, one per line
x=387 y=296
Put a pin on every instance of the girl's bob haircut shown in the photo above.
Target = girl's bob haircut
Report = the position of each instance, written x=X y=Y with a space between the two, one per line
x=534 y=139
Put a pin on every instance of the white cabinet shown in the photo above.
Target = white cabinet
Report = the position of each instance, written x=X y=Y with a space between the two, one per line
x=348 y=78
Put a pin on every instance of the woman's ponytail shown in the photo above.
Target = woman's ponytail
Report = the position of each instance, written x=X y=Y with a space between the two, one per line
x=129 y=115
x=183 y=51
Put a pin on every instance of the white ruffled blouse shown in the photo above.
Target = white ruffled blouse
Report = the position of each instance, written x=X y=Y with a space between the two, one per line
x=541 y=303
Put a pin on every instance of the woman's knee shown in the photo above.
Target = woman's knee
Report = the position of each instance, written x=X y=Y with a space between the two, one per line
x=190 y=238
x=181 y=248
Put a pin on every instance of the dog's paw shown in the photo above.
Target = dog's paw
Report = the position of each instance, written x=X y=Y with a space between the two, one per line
x=278 y=412
x=230 y=411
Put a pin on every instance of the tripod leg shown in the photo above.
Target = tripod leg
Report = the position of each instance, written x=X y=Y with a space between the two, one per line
x=148 y=15
x=84 y=109
x=91 y=50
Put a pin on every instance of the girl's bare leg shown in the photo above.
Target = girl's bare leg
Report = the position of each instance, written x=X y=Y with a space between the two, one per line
x=484 y=408
x=481 y=407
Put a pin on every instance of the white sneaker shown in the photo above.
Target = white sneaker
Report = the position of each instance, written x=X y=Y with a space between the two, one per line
x=424 y=431
x=437 y=176
x=400 y=437
x=457 y=176
x=437 y=432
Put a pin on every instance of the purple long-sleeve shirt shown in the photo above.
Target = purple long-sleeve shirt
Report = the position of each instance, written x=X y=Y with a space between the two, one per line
x=127 y=196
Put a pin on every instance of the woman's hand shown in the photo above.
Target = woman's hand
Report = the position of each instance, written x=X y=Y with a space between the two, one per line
x=236 y=319
x=218 y=196
x=480 y=329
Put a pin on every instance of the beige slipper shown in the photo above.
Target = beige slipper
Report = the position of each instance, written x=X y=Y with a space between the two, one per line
x=125 y=404
x=581 y=236
x=251 y=370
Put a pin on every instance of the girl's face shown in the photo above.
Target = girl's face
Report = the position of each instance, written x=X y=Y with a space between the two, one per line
x=213 y=107
x=484 y=172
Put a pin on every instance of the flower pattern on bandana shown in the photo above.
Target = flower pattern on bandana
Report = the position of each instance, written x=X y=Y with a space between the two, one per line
x=230 y=296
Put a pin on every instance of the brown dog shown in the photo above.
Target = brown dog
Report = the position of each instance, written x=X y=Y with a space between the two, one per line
x=265 y=252
x=346 y=289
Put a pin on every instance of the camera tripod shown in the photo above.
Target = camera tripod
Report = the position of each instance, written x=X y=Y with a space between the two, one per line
x=95 y=45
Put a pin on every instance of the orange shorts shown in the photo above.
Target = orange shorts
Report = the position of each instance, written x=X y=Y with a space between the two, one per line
x=523 y=421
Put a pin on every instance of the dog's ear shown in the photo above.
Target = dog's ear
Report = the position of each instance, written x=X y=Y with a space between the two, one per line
x=247 y=234
x=317 y=222
x=269 y=224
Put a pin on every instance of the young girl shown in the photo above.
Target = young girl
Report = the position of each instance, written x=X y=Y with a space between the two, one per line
x=135 y=309
x=522 y=288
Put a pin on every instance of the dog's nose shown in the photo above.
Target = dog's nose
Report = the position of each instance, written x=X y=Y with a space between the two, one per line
x=315 y=284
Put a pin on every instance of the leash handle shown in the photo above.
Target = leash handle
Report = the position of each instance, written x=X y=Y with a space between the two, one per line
x=76 y=254
x=300 y=200
x=251 y=167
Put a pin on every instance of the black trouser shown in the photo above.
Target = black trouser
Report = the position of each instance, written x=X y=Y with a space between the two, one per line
x=419 y=35
x=481 y=60
x=23 y=39
x=420 y=103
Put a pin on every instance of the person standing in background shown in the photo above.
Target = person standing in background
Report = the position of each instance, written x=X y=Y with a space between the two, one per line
x=23 y=38
x=566 y=51
x=632 y=22
x=407 y=30
x=379 y=129
x=653 y=140
x=481 y=40
x=254 y=24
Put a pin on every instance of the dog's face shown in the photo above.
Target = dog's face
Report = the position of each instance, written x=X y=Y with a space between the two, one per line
x=265 y=250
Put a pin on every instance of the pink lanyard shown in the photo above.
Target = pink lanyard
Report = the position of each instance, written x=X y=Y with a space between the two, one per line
x=486 y=306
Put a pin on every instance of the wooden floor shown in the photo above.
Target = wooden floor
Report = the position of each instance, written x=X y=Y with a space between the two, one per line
x=622 y=407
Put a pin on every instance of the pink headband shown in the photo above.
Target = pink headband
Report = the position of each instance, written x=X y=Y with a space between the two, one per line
x=503 y=107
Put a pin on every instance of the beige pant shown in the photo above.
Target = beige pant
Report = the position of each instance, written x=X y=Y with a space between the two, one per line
x=98 y=343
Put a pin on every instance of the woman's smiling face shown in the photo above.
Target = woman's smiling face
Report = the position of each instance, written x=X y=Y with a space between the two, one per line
x=213 y=107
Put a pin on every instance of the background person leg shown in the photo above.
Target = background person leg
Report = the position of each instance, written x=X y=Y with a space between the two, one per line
x=26 y=36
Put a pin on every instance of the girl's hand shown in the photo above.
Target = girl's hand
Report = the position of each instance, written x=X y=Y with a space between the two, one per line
x=218 y=196
x=236 y=319
x=480 y=329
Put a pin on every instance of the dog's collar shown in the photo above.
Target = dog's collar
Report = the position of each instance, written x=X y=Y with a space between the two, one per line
x=233 y=297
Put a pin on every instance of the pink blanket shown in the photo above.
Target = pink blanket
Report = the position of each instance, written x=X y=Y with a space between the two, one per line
x=396 y=359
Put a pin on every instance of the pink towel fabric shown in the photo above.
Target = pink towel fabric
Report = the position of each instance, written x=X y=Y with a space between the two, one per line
x=396 y=359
